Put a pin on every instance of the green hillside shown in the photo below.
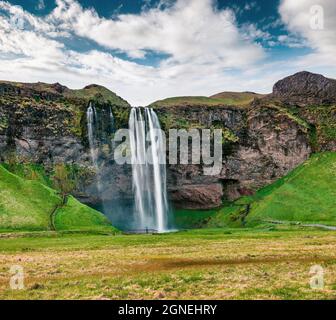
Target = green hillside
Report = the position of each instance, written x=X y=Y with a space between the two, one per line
x=224 y=98
x=232 y=98
x=39 y=91
x=307 y=195
x=28 y=205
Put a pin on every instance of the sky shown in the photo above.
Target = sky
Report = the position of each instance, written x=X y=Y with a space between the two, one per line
x=146 y=50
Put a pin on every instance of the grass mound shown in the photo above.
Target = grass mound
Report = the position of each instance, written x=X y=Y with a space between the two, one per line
x=27 y=205
x=306 y=195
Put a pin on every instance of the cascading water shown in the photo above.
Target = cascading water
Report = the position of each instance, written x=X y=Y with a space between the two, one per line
x=91 y=120
x=148 y=169
x=98 y=133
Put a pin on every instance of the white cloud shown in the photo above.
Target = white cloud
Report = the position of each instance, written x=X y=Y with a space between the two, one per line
x=190 y=29
x=303 y=18
x=292 y=41
x=204 y=45
x=207 y=52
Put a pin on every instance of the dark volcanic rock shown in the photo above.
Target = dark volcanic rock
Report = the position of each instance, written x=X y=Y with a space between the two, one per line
x=306 y=88
x=198 y=196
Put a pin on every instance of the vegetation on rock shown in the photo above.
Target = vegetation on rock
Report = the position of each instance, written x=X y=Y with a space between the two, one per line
x=305 y=195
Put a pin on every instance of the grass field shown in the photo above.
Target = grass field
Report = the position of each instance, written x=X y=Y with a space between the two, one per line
x=198 y=264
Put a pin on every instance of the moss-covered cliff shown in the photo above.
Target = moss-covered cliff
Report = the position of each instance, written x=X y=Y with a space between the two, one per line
x=264 y=137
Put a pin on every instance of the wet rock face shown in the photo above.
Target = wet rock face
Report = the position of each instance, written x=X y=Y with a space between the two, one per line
x=39 y=134
x=306 y=88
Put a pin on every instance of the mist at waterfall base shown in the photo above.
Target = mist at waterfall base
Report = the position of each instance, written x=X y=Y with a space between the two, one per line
x=144 y=204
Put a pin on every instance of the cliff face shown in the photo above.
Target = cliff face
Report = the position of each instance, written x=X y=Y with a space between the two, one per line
x=263 y=144
x=46 y=124
x=262 y=140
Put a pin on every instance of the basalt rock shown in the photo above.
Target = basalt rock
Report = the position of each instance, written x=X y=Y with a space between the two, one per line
x=305 y=88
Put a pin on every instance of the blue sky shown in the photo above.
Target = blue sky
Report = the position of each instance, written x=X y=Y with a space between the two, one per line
x=148 y=50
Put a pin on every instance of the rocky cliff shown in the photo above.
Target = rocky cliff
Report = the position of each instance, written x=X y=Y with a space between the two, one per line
x=305 y=88
x=263 y=139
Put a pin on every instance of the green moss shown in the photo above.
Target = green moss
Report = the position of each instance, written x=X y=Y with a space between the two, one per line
x=76 y=124
x=121 y=116
x=293 y=114
x=313 y=138
x=3 y=123
x=318 y=121
x=307 y=194
x=29 y=171
x=191 y=219
x=175 y=121
x=324 y=120
x=24 y=204
x=228 y=135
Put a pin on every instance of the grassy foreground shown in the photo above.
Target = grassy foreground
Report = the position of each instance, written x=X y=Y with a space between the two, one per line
x=198 y=264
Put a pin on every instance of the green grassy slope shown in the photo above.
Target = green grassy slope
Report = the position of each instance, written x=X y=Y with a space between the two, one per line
x=77 y=216
x=97 y=93
x=24 y=205
x=91 y=92
x=27 y=205
x=233 y=98
x=224 y=98
x=307 y=194
x=191 y=219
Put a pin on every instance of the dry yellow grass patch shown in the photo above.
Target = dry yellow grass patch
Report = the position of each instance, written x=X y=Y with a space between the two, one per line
x=201 y=265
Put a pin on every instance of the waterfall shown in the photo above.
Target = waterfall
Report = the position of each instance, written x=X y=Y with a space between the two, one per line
x=91 y=119
x=112 y=124
x=147 y=147
x=98 y=134
x=148 y=169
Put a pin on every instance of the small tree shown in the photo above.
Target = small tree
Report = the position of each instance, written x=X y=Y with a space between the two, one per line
x=62 y=181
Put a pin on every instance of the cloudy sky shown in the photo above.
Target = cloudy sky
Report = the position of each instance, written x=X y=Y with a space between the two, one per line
x=146 y=50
